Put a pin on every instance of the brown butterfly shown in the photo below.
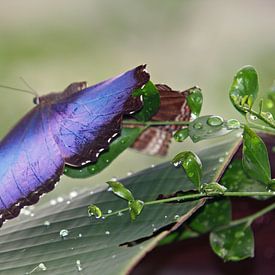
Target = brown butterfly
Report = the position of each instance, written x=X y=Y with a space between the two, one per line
x=173 y=107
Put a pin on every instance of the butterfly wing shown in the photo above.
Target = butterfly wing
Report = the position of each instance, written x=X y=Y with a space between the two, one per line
x=30 y=164
x=173 y=107
x=84 y=123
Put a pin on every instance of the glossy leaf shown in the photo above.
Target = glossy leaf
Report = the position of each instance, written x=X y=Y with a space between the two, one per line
x=206 y=127
x=93 y=210
x=192 y=166
x=244 y=89
x=151 y=101
x=195 y=100
x=255 y=157
x=212 y=215
x=28 y=241
x=236 y=180
x=120 y=190
x=135 y=208
x=121 y=143
x=181 y=135
x=234 y=243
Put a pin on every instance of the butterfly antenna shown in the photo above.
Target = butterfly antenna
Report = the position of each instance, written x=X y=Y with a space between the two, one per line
x=34 y=92
x=19 y=90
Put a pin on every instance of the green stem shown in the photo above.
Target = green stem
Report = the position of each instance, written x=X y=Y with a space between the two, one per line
x=259 y=116
x=251 y=218
x=198 y=196
x=155 y=123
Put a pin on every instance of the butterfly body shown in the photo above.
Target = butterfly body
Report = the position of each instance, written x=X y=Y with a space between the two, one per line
x=71 y=127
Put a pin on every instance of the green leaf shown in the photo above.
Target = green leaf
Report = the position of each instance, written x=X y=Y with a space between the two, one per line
x=192 y=166
x=206 y=127
x=135 y=208
x=93 y=210
x=214 y=187
x=236 y=180
x=255 y=157
x=27 y=241
x=151 y=101
x=244 y=89
x=212 y=215
x=195 y=100
x=233 y=243
x=181 y=134
x=119 y=189
x=121 y=143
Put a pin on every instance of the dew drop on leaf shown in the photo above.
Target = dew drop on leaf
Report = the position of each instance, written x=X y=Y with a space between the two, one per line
x=215 y=121
x=109 y=211
x=221 y=159
x=47 y=223
x=252 y=117
x=78 y=266
x=176 y=217
x=232 y=124
x=64 y=233
x=198 y=125
x=107 y=232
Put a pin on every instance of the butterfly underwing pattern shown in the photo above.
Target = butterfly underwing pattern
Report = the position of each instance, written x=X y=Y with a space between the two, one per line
x=173 y=107
x=71 y=127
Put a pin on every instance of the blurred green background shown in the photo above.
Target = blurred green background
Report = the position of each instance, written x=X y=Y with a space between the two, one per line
x=53 y=43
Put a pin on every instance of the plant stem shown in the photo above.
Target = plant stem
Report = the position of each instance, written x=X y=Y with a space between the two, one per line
x=155 y=123
x=199 y=196
x=249 y=219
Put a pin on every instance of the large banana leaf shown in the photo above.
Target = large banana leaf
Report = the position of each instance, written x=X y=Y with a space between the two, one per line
x=31 y=244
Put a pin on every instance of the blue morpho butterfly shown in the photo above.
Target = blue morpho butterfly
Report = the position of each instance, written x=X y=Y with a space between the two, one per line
x=71 y=127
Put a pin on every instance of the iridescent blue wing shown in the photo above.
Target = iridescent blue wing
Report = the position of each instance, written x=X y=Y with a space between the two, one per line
x=84 y=123
x=30 y=163
x=70 y=127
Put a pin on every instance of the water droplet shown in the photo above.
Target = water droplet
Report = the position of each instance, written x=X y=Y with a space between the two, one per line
x=153 y=165
x=107 y=232
x=60 y=199
x=78 y=266
x=215 y=121
x=53 y=202
x=176 y=217
x=68 y=202
x=120 y=214
x=47 y=223
x=198 y=125
x=232 y=124
x=79 y=235
x=64 y=233
x=221 y=159
x=165 y=217
x=177 y=163
x=268 y=115
x=92 y=192
x=130 y=173
x=107 y=160
x=42 y=266
x=73 y=194
x=252 y=117
x=109 y=211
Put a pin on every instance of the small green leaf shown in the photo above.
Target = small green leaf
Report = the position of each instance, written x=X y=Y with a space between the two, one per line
x=206 y=127
x=244 y=89
x=93 y=210
x=151 y=101
x=212 y=215
x=181 y=134
x=236 y=180
x=120 y=190
x=121 y=143
x=255 y=157
x=233 y=243
x=192 y=166
x=214 y=187
x=194 y=100
x=135 y=208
